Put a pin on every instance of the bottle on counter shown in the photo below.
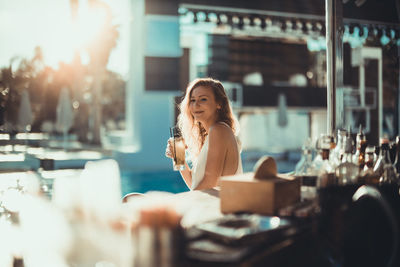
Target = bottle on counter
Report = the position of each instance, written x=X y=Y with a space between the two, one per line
x=369 y=158
x=326 y=171
x=347 y=172
x=383 y=166
x=397 y=155
x=317 y=161
x=361 y=145
x=304 y=169
x=336 y=153
x=367 y=174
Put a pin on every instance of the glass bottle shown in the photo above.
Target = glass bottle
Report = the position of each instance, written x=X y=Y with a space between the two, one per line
x=337 y=152
x=304 y=169
x=368 y=172
x=369 y=158
x=347 y=172
x=397 y=155
x=317 y=162
x=383 y=166
x=304 y=166
x=361 y=145
x=326 y=172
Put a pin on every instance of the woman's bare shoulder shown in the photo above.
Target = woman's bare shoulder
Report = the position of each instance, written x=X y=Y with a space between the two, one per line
x=220 y=130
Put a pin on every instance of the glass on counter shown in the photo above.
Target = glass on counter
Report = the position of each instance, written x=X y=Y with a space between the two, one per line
x=305 y=171
x=347 y=172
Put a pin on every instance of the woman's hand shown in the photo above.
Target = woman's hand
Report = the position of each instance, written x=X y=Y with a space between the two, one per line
x=169 y=151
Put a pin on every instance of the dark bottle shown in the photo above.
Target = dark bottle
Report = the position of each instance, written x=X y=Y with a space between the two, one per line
x=369 y=177
x=369 y=158
x=383 y=166
x=397 y=155
x=361 y=145
x=383 y=152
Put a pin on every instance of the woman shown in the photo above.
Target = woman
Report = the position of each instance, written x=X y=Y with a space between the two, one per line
x=208 y=127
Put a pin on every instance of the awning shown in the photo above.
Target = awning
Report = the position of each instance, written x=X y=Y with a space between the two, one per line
x=309 y=16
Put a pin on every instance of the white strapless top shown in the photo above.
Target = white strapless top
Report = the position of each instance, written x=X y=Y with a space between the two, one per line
x=199 y=167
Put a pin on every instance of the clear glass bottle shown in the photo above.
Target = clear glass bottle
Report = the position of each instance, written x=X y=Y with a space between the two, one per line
x=347 y=172
x=326 y=172
x=337 y=153
x=304 y=166
x=317 y=162
x=305 y=171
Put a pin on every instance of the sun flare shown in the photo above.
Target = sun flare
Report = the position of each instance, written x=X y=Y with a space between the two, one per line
x=74 y=35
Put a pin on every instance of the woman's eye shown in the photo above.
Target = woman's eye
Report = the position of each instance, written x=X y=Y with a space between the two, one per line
x=192 y=100
x=203 y=99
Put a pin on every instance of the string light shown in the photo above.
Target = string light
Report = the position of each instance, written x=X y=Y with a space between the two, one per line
x=252 y=21
x=304 y=27
x=195 y=19
x=370 y=31
x=263 y=24
x=361 y=32
x=283 y=25
x=379 y=33
x=314 y=27
x=351 y=29
x=230 y=19
x=323 y=30
x=294 y=25
x=219 y=22
x=207 y=19
x=241 y=22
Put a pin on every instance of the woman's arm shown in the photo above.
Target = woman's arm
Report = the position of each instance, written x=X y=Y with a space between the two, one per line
x=217 y=148
x=187 y=172
x=187 y=175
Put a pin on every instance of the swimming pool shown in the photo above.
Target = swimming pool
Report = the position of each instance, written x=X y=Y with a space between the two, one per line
x=142 y=182
x=171 y=181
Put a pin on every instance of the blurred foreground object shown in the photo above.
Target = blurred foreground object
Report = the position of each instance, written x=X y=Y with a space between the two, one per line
x=158 y=237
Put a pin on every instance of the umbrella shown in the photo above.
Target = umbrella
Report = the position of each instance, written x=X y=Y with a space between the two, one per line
x=25 y=116
x=65 y=116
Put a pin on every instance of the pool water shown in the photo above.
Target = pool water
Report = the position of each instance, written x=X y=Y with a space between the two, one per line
x=142 y=182
x=171 y=181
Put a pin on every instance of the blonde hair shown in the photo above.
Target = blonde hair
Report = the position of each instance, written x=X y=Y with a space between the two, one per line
x=193 y=132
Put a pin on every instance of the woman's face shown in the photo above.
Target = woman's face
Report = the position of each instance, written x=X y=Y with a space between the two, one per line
x=203 y=106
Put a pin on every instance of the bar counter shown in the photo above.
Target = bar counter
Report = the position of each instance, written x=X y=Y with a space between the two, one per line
x=295 y=245
x=345 y=231
x=356 y=226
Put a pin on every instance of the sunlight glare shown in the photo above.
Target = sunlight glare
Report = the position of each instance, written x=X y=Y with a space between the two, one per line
x=50 y=25
x=74 y=35
x=87 y=27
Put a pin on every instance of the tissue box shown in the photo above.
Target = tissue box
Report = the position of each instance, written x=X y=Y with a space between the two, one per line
x=244 y=193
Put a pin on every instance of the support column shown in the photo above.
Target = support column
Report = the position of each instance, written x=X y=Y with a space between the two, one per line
x=398 y=91
x=334 y=58
x=136 y=74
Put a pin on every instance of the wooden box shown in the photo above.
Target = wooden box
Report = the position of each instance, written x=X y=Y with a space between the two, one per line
x=265 y=194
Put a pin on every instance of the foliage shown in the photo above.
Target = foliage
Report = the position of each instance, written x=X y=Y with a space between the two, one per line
x=45 y=83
